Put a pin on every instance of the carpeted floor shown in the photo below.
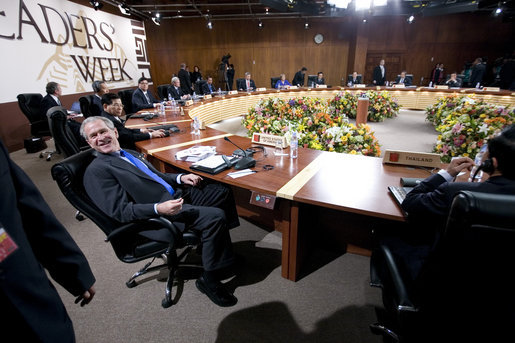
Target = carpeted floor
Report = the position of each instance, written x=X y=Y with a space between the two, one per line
x=332 y=304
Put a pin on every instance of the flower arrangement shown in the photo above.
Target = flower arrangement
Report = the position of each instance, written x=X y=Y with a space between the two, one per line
x=468 y=126
x=445 y=106
x=319 y=127
x=344 y=103
x=381 y=105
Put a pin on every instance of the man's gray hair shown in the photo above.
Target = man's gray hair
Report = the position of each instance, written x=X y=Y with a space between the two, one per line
x=88 y=120
x=175 y=78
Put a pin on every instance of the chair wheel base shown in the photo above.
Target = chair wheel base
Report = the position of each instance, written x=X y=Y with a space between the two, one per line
x=166 y=303
x=131 y=284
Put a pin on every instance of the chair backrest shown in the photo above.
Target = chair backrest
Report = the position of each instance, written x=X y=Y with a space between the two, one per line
x=312 y=79
x=240 y=83
x=85 y=105
x=199 y=84
x=64 y=138
x=29 y=104
x=162 y=91
x=126 y=97
x=273 y=81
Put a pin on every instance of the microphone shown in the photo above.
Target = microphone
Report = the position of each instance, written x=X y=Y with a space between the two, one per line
x=244 y=162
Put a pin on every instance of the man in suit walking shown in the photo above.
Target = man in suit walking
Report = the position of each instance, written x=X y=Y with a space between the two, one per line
x=379 y=76
x=298 y=78
x=478 y=71
x=128 y=188
x=51 y=99
x=113 y=110
x=142 y=98
x=32 y=240
x=185 y=78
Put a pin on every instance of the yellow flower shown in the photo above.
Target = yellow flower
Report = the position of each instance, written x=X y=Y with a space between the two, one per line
x=353 y=152
x=465 y=155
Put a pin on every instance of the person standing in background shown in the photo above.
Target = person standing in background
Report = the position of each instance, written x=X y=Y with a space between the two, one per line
x=185 y=78
x=230 y=75
x=379 y=75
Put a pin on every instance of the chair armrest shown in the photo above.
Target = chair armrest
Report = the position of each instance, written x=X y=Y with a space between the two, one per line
x=150 y=224
x=399 y=287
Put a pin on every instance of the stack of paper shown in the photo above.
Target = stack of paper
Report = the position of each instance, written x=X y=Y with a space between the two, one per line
x=195 y=153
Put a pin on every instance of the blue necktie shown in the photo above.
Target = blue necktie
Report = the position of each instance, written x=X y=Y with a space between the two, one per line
x=141 y=166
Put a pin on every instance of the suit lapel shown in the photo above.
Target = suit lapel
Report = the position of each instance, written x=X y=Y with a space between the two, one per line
x=119 y=163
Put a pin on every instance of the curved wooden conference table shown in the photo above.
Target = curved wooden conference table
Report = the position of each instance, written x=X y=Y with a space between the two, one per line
x=335 y=198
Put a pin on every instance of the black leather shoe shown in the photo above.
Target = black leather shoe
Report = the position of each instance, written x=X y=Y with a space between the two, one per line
x=219 y=295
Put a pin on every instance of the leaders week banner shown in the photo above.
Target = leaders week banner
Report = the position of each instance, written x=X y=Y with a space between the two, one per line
x=57 y=40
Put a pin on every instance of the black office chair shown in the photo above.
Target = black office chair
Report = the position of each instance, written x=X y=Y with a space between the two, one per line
x=162 y=91
x=65 y=132
x=312 y=80
x=273 y=81
x=85 y=105
x=463 y=291
x=199 y=86
x=126 y=97
x=132 y=242
x=29 y=104
x=240 y=83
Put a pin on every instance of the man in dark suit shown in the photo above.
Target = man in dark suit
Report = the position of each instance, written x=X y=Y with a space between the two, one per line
x=298 y=78
x=403 y=80
x=100 y=88
x=453 y=81
x=128 y=188
x=32 y=240
x=478 y=71
x=113 y=110
x=320 y=79
x=247 y=84
x=185 y=78
x=142 y=98
x=379 y=75
x=175 y=90
x=208 y=87
x=51 y=99
x=354 y=79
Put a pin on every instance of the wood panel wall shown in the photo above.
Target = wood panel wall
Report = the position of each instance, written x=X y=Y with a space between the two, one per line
x=283 y=46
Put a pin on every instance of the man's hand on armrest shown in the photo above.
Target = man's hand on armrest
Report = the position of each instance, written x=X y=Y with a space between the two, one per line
x=170 y=207
x=191 y=179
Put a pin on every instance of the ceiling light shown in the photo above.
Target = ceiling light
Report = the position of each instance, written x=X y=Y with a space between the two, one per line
x=157 y=19
x=364 y=21
x=411 y=18
x=209 y=25
x=124 y=9
x=96 y=5
x=498 y=11
x=306 y=25
x=266 y=10
x=179 y=15
x=260 y=24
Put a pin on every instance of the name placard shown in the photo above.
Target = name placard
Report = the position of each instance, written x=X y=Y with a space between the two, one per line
x=491 y=89
x=233 y=92
x=293 y=87
x=188 y=103
x=400 y=85
x=261 y=89
x=321 y=86
x=266 y=139
x=207 y=96
x=412 y=158
x=441 y=87
x=360 y=85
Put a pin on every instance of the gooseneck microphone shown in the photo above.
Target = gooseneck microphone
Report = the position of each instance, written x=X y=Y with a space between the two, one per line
x=244 y=162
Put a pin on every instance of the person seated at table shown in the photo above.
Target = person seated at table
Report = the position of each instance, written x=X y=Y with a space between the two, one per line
x=298 y=79
x=142 y=98
x=453 y=81
x=100 y=88
x=128 y=188
x=355 y=79
x=51 y=99
x=175 y=90
x=113 y=110
x=320 y=79
x=247 y=84
x=282 y=83
x=208 y=88
x=403 y=80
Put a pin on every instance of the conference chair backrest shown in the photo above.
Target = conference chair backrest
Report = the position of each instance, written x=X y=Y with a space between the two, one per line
x=273 y=81
x=162 y=91
x=199 y=85
x=312 y=79
x=30 y=105
x=64 y=138
x=126 y=97
x=85 y=105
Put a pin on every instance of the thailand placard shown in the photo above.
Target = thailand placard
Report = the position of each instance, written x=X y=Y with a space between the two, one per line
x=232 y=92
x=412 y=158
x=491 y=89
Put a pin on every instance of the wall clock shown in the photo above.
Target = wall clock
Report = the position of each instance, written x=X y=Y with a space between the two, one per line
x=319 y=38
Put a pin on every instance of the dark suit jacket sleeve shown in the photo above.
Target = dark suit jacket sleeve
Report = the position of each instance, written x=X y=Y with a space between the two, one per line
x=47 y=103
x=298 y=79
x=96 y=106
x=429 y=198
x=40 y=237
x=253 y=84
x=205 y=89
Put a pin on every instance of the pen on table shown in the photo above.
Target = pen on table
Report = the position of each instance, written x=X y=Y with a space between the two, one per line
x=244 y=171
